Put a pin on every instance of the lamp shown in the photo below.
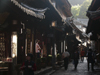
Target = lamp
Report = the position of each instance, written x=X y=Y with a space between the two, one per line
x=54 y=24
x=66 y=33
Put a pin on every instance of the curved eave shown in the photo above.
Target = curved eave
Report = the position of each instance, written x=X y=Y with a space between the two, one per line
x=93 y=14
x=38 y=13
x=64 y=7
x=76 y=29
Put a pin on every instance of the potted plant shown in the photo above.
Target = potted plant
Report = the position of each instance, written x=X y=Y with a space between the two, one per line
x=43 y=62
x=17 y=68
x=59 y=58
x=49 y=60
x=38 y=63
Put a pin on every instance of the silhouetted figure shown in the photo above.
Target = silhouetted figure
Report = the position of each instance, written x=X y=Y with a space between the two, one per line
x=65 y=57
x=82 y=55
x=29 y=66
x=76 y=59
x=90 y=59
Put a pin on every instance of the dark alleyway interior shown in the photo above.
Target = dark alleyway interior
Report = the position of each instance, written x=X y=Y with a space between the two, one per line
x=81 y=70
x=37 y=35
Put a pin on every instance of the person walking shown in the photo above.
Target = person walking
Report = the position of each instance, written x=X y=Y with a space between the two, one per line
x=65 y=57
x=28 y=66
x=76 y=59
x=90 y=59
x=82 y=55
x=37 y=48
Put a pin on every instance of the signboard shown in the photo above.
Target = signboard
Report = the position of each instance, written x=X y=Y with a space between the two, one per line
x=28 y=39
x=50 y=35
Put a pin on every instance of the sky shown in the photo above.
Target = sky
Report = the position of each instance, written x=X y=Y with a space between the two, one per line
x=75 y=2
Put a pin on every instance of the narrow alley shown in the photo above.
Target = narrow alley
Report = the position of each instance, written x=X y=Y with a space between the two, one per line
x=38 y=37
x=81 y=70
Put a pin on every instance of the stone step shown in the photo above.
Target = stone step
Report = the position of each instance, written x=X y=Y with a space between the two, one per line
x=43 y=71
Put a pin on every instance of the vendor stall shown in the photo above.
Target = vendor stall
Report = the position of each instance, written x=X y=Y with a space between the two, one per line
x=5 y=65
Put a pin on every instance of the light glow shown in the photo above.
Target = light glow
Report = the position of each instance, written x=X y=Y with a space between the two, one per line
x=54 y=24
x=14 y=38
x=14 y=44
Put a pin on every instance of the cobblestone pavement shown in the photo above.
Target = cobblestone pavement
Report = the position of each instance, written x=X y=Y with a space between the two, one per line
x=81 y=70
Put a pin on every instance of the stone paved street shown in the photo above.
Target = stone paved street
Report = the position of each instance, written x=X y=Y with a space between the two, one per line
x=81 y=70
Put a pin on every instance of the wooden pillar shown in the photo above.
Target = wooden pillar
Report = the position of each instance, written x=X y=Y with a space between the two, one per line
x=53 y=51
x=34 y=34
x=59 y=47
x=9 y=55
x=98 y=50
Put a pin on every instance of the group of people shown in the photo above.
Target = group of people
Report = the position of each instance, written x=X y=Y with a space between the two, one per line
x=66 y=56
x=29 y=66
x=91 y=56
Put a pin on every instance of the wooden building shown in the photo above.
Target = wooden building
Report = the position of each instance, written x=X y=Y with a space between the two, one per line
x=24 y=21
x=17 y=23
x=93 y=14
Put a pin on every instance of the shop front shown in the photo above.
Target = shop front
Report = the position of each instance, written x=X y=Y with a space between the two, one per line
x=3 y=67
x=8 y=52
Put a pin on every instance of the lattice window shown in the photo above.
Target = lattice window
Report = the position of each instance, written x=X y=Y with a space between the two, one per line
x=2 y=46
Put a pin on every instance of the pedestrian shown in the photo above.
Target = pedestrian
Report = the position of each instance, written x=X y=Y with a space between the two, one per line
x=76 y=59
x=82 y=55
x=37 y=48
x=28 y=66
x=90 y=59
x=65 y=57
